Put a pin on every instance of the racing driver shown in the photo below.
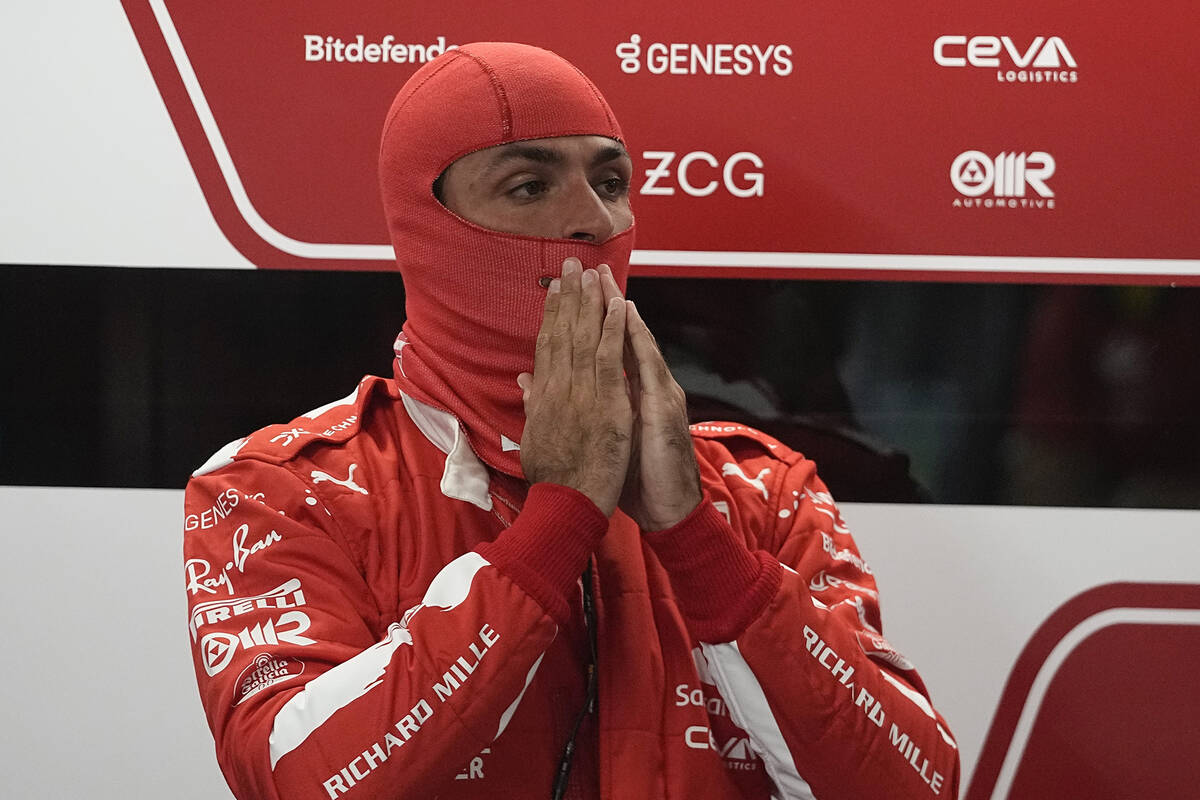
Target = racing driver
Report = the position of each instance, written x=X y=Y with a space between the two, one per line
x=511 y=570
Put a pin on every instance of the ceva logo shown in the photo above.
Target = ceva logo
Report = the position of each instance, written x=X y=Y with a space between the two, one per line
x=1046 y=59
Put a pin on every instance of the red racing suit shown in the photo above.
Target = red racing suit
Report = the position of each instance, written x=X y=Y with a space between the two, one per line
x=374 y=614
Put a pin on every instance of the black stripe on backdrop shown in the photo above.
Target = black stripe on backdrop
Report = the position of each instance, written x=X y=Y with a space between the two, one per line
x=955 y=393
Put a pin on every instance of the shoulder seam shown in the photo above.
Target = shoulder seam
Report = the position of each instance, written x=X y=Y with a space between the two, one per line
x=295 y=430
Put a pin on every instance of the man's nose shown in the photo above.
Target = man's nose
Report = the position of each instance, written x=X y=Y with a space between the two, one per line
x=585 y=214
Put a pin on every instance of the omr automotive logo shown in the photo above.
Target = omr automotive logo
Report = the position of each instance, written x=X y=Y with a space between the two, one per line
x=1006 y=180
x=217 y=648
x=1043 y=60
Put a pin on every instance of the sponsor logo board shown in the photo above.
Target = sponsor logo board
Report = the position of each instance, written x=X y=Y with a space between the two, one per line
x=815 y=110
x=700 y=173
x=361 y=49
x=1044 y=59
x=1005 y=180
x=690 y=58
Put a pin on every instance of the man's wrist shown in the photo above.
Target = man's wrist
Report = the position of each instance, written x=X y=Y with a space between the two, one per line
x=720 y=584
x=673 y=517
x=548 y=545
x=683 y=501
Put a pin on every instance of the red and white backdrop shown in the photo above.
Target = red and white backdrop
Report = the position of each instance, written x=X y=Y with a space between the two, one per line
x=1033 y=142
x=830 y=139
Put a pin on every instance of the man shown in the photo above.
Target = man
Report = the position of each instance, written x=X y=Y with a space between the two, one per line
x=385 y=593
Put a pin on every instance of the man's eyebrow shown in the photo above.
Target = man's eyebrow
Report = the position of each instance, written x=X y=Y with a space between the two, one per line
x=528 y=152
x=541 y=154
x=609 y=153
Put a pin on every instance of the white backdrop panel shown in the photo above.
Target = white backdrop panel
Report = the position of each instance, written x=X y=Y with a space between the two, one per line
x=100 y=698
x=91 y=169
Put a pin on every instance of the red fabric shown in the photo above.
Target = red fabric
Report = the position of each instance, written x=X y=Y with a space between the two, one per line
x=472 y=296
x=560 y=529
x=720 y=584
x=344 y=510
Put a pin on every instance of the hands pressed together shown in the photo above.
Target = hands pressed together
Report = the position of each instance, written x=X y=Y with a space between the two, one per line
x=603 y=415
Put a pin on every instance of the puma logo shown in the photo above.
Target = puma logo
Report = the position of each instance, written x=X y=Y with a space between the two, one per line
x=318 y=476
x=729 y=468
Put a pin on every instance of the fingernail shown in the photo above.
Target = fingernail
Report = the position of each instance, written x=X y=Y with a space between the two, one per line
x=589 y=277
x=555 y=286
x=571 y=266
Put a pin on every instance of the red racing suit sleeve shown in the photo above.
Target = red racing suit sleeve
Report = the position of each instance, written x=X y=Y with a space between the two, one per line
x=787 y=613
x=313 y=691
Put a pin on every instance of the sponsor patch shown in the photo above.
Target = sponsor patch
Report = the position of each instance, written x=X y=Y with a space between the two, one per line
x=823 y=581
x=286 y=595
x=880 y=649
x=217 y=648
x=266 y=670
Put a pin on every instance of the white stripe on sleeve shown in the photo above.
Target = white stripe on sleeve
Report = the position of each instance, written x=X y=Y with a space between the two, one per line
x=749 y=709
x=332 y=691
x=920 y=702
x=512 y=709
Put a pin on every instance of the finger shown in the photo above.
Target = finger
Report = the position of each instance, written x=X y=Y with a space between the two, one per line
x=608 y=283
x=568 y=312
x=541 y=353
x=587 y=329
x=569 y=286
x=631 y=370
x=610 y=377
x=632 y=375
x=652 y=371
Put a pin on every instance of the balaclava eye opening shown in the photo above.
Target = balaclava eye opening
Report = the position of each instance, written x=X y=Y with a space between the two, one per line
x=473 y=296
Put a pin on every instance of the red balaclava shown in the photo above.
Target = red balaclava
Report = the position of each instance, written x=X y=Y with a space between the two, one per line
x=473 y=296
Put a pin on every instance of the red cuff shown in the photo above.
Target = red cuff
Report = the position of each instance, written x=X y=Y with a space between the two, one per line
x=548 y=546
x=720 y=584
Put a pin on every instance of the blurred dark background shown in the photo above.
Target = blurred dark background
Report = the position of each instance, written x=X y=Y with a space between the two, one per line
x=902 y=392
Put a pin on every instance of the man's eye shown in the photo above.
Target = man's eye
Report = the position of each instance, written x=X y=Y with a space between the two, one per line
x=528 y=189
x=614 y=187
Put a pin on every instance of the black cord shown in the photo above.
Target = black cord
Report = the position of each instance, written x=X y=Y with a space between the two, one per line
x=589 y=705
